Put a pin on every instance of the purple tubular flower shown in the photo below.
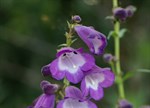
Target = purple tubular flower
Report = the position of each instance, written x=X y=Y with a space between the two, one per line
x=130 y=10
x=95 y=40
x=120 y=14
x=74 y=99
x=95 y=80
x=70 y=63
x=47 y=99
x=124 y=104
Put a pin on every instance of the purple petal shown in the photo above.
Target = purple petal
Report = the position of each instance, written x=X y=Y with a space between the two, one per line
x=33 y=103
x=99 y=43
x=97 y=94
x=75 y=77
x=60 y=104
x=84 y=89
x=90 y=62
x=64 y=50
x=91 y=105
x=72 y=103
x=56 y=73
x=75 y=103
x=93 y=80
x=46 y=70
x=125 y=104
x=44 y=82
x=50 y=88
x=95 y=40
x=73 y=92
x=109 y=78
x=45 y=101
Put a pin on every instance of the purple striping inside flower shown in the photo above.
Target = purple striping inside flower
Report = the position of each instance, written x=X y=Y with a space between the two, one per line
x=70 y=63
x=95 y=40
x=130 y=10
x=76 y=18
x=75 y=99
x=47 y=99
x=120 y=14
x=95 y=80
x=124 y=104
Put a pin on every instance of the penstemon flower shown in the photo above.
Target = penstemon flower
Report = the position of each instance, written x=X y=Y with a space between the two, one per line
x=70 y=63
x=95 y=40
x=95 y=80
x=47 y=99
x=75 y=99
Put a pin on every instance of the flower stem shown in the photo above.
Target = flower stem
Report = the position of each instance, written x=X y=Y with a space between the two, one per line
x=68 y=44
x=117 y=55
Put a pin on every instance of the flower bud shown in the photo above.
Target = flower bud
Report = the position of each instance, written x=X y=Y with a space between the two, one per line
x=120 y=14
x=76 y=18
x=108 y=58
x=130 y=10
x=124 y=104
x=49 y=88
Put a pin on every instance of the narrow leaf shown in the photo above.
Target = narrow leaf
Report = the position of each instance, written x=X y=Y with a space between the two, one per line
x=144 y=70
x=111 y=33
x=128 y=75
x=122 y=32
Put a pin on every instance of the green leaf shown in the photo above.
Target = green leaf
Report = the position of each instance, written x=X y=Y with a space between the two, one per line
x=128 y=75
x=68 y=24
x=109 y=18
x=74 y=40
x=122 y=32
x=143 y=70
x=132 y=73
x=111 y=33
x=62 y=45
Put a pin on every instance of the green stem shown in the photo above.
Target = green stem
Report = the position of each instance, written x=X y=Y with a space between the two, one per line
x=117 y=55
x=112 y=66
x=68 y=43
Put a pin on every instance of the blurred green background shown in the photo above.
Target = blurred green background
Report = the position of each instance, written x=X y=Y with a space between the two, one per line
x=31 y=30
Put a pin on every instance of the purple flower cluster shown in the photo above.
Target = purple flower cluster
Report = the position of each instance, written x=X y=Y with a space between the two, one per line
x=77 y=66
x=123 y=13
